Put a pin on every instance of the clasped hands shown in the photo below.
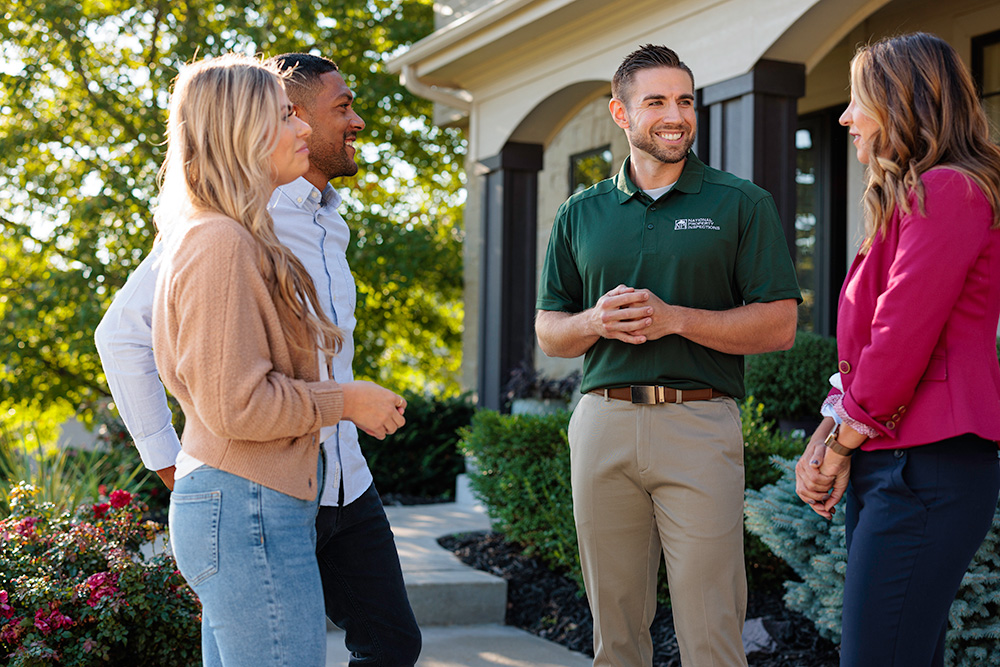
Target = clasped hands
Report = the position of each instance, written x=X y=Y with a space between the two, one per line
x=632 y=316
x=821 y=475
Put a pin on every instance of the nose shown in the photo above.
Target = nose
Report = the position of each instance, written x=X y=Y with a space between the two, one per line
x=304 y=128
x=357 y=122
x=845 y=118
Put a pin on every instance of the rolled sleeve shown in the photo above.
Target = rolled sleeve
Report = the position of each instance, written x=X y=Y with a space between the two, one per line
x=124 y=344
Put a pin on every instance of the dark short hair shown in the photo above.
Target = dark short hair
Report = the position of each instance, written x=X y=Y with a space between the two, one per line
x=647 y=56
x=301 y=72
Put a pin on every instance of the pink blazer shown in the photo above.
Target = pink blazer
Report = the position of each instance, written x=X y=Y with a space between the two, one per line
x=917 y=321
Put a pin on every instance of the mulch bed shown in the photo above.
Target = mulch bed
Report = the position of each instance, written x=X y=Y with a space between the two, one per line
x=546 y=604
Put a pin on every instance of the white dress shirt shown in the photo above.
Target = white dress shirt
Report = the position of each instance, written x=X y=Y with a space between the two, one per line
x=308 y=223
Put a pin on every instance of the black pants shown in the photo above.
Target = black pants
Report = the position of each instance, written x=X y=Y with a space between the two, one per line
x=363 y=583
x=915 y=518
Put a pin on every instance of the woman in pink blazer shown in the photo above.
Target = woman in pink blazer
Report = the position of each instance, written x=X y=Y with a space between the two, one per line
x=911 y=426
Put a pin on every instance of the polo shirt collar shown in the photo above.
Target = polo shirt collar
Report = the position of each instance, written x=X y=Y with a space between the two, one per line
x=690 y=181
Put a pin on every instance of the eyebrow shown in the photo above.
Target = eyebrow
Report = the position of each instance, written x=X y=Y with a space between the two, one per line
x=657 y=96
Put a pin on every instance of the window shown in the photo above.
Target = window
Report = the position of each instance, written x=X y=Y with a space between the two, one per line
x=986 y=72
x=588 y=168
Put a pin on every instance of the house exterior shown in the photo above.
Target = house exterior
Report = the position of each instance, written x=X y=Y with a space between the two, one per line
x=530 y=82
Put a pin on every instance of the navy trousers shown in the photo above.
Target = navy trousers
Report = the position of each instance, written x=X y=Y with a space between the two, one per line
x=363 y=584
x=915 y=518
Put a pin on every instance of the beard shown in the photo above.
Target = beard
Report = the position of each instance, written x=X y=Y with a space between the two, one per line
x=665 y=154
x=333 y=160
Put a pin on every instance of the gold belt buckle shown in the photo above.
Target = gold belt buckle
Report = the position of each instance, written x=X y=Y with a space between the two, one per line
x=644 y=395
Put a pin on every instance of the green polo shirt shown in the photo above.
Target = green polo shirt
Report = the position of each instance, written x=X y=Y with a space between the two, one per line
x=713 y=241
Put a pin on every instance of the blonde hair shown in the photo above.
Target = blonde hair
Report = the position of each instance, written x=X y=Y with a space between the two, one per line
x=222 y=130
x=921 y=96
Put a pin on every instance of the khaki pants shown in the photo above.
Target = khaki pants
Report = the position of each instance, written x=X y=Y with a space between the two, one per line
x=652 y=477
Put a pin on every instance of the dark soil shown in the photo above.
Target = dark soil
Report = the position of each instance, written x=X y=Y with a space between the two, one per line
x=546 y=604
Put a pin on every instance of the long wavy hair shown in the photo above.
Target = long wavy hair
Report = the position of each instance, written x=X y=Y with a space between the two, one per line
x=924 y=102
x=224 y=119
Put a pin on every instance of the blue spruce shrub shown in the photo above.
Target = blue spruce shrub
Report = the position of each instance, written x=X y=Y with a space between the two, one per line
x=816 y=551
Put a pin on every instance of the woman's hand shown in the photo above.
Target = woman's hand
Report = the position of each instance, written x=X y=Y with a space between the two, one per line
x=815 y=476
x=821 y=475
x=373 y=409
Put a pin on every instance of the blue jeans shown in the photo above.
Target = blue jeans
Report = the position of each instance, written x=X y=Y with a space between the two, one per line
x=363 y=583
x=249 y=554
x=915 y=518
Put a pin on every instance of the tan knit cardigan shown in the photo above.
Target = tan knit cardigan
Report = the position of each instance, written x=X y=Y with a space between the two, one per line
x=253 y=405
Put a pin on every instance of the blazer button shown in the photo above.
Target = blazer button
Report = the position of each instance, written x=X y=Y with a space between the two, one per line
x=890 y=425
x=895 y=417
x=902 y=410
x=844 y=366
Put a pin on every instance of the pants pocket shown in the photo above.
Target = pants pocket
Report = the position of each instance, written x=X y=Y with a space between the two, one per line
x=194 y=533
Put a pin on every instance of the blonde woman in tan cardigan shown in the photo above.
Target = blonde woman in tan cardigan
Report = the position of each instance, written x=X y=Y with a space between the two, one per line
x=243 y=345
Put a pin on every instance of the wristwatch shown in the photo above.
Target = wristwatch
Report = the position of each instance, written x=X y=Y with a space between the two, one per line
x=834 y=445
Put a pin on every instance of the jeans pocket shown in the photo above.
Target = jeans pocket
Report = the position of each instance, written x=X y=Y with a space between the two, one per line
x=194 y=533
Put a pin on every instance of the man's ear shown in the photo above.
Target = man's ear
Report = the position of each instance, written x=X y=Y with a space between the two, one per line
x=617 y=108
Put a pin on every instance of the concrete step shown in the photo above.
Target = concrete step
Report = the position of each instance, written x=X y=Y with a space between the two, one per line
x=443 y=590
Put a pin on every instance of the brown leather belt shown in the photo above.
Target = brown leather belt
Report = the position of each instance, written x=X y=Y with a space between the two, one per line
x=653 y=394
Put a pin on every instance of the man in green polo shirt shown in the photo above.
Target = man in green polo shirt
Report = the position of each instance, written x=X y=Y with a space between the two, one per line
x=663 y=276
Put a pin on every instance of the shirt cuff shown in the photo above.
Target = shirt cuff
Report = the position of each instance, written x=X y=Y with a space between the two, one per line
x=159 y=450
x=835 y=403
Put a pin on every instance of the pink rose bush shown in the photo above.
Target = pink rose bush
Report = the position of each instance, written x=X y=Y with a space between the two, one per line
x=76 y=591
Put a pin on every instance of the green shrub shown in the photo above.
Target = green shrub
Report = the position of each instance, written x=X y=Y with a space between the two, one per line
x=524 y=481
x=68 y=477
x=762 y=442
x=816 y=550
x=75 y=590
x=793 y=384
x=422 y=458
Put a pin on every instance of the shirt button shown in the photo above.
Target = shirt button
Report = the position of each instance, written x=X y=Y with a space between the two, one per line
x=898 y=453
x=299 y=200
x=844 y=366
x=649 y=226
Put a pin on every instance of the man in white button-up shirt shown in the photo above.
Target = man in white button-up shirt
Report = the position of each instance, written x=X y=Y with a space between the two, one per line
x=362 y=581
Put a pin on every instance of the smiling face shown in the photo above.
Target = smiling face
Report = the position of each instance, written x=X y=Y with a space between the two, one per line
x=335 y=126
x=862 y=129
x=290 y=158
x=658 y=117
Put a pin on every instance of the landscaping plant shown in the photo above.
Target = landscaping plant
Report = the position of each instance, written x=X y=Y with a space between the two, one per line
x=75 y=589
x=816 y=550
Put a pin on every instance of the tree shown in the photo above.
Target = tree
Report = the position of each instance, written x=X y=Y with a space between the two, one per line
x=82 y=117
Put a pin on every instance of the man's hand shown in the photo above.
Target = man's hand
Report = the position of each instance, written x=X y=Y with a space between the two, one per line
x=616 y=315
x=620 y=313
x=167 y=476
x=748 y=329
x=373 y=409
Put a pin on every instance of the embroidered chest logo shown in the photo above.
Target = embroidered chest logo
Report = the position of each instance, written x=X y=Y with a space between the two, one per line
x=696 y=223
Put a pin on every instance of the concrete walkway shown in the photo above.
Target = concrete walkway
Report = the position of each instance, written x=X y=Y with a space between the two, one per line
x=460 y=610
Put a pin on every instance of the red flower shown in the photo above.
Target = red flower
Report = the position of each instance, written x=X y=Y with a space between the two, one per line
x=120 y=498
x=6 y=611
x=26 y=526
x=11 y=632
x=102 y=489
x=41 y=622
x=100 y=510
x=101 y=585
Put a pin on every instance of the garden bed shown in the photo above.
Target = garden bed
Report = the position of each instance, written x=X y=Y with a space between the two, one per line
x=546 y=604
